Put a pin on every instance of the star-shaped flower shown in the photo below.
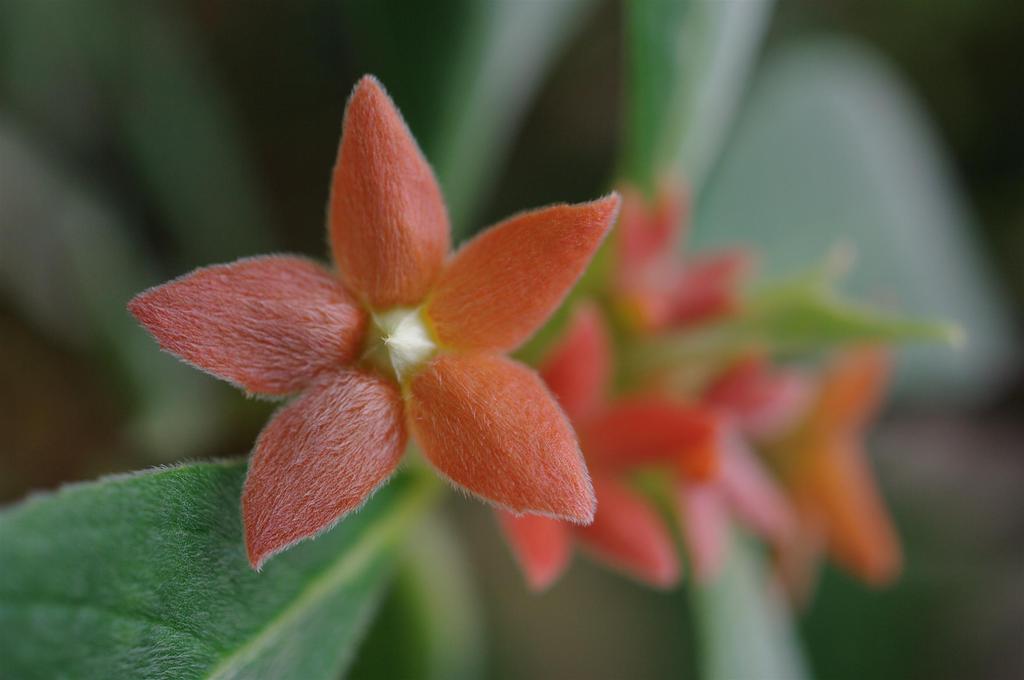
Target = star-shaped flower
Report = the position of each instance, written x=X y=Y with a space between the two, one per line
x=401 y=338
x=823 y=463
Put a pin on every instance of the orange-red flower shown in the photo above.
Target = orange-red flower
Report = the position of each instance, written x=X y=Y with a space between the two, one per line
x=400 y=338
x=656 y=289
x=825 y=467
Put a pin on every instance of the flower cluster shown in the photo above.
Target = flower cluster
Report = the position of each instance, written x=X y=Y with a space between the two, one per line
x=738 y=438
x=404 y=340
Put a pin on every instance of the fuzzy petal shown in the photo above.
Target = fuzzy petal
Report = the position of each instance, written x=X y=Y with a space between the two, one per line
x=490 y=426
x=319 y=459
x=860 y=533
x=541 y=545
x=267 y=324
x=502 y=285
x=644 y=430
x=705 y=524
x=388 y=223
x=628 y=534
x=578 y=368
x=753 y=494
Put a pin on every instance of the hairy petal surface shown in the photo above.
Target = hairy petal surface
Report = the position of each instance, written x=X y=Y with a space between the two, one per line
x=267 y=324
x=502 y=285
x=542 y=546
x=490 y=425
x=388 y=223
x=628 y=534
x=578 y=369
x=319 y=458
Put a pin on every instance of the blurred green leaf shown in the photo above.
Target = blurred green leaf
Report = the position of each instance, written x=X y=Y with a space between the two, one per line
x=139 y=64
x=744 y=628
x=800 y=315
x=832 y=148
x=465 y=83
x=687 y=66
x=145 y=576
x=70 y=265
x=431 y=614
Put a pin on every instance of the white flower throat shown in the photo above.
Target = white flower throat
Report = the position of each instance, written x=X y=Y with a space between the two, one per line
x=402 y=341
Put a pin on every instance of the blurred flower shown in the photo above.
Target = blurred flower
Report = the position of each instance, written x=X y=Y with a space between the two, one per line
x=824 y=465
x=655 y=288
x=398 y=337
x=693 y=446
x=744 y=401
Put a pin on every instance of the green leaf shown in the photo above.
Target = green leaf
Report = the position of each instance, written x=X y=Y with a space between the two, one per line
x=832 y=148
x=145 y=576
x=687 y=66
x=465 y=84
x=744 y=628
x=801 y=315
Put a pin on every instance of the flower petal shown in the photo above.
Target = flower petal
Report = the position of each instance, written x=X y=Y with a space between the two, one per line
x=860 y=533
x=267 y=324
x=320 y=458
x=752 y=493
x=705 y=522
x=628 y=534
x=541 y=544
x=502 y=285
x=853 y=388
x=707 y=287
x=645 y=430
x=388 y=223
x=763 y=401
x=649 y=230
x=490 y=426
x=578 y=368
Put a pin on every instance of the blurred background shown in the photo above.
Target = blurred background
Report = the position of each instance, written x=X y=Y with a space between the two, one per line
x=139 y=140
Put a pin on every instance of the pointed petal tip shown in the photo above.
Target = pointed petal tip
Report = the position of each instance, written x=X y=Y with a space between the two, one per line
x=610 y=205
x=370 y=93
x=502 y=285
x=319 y=459
x=388 y=224
x=269 y=324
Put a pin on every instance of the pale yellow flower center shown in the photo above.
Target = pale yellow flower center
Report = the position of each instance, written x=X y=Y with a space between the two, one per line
x=400 y=341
